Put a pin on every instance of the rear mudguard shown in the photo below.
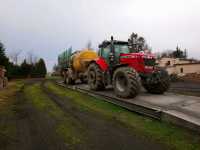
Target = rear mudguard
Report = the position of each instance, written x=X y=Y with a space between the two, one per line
x=102 y=63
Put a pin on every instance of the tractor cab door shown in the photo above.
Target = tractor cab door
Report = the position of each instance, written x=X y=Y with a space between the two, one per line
x=119 y=49
x=105 y=53
x=117 y=53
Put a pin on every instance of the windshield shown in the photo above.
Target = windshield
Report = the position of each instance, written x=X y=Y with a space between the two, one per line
x=122 y=49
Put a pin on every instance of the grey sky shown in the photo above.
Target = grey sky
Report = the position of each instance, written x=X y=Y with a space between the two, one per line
x=48 y=26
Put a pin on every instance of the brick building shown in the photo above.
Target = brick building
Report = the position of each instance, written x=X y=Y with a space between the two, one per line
x=180 y=66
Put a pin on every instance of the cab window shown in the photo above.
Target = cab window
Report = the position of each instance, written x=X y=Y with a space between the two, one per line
x=120 y=49
x=105 y=52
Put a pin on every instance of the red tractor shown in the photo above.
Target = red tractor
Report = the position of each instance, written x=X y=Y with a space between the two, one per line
x=126 y=68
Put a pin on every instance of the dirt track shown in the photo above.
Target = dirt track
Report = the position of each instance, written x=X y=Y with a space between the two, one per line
x=37 y=131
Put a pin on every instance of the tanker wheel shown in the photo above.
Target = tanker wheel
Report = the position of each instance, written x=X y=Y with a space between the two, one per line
x=95 y=77
x=70 y=81
x=158 y=82
x=70 y=77
x=126 y=82
x=83 y=80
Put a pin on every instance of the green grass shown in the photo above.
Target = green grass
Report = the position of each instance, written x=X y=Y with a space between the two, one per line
x=174 y=137
x=7 y=113
x=53 y=77
x=66 y=127
x=7 y=94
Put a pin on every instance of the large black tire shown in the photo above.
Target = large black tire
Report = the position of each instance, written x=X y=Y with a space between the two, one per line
x=70 y=81
x=95 y=77
x=83 y=80
x=126 y=82
x=158 y=82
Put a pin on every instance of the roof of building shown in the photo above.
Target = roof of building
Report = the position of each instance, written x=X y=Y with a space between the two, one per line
x=194 y=63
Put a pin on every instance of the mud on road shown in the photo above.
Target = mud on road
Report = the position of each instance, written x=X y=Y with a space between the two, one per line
x=37 y=130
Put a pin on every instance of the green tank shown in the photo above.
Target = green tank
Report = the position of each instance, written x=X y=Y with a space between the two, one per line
x=64 y=59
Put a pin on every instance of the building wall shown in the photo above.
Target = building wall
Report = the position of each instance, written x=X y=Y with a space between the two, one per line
x=183 y=69
x=179 y=66
x=163 y=62
x=171 y=70
x=187 y=68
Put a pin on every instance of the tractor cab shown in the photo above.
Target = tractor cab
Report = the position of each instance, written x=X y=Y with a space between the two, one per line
x=109 y=49
x=116 y=53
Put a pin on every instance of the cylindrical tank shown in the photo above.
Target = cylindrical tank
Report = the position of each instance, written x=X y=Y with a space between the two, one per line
x=81 y=59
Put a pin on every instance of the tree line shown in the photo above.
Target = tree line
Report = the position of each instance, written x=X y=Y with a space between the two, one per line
x=23 y=70
x=178 y=53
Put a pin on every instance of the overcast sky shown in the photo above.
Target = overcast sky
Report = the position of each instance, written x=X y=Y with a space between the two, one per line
x=46 y=27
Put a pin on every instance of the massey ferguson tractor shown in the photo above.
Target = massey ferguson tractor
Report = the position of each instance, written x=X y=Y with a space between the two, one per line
x=126 y=67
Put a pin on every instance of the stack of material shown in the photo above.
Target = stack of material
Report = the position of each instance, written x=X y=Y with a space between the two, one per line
x=192 y=77
x=3 y=79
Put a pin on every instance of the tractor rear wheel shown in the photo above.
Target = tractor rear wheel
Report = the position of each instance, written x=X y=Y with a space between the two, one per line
x=95 y=77
x=158 y=82
x=126 y=82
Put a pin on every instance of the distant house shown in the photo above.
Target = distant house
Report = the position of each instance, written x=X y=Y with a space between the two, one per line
x=3 y=79
x=179 y=66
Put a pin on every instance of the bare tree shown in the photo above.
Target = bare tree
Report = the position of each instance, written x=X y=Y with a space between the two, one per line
x=14 y=56
x=35 y=59
x=31 y=58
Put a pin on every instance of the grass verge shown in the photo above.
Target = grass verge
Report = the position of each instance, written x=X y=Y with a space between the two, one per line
x=7 y=94
x=7 y=113
x=174 y=137
x=66 y=127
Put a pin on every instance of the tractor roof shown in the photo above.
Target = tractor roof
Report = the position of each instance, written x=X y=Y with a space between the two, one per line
x=106 y=43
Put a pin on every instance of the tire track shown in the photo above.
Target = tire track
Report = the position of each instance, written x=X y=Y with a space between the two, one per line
x=101 y=132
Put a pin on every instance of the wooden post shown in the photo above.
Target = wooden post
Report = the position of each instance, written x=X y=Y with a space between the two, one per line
x=3 y=79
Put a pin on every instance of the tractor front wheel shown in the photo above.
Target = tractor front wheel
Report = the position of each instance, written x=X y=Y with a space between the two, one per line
x=157 y=83
x=95 y=77
x=126 y=82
